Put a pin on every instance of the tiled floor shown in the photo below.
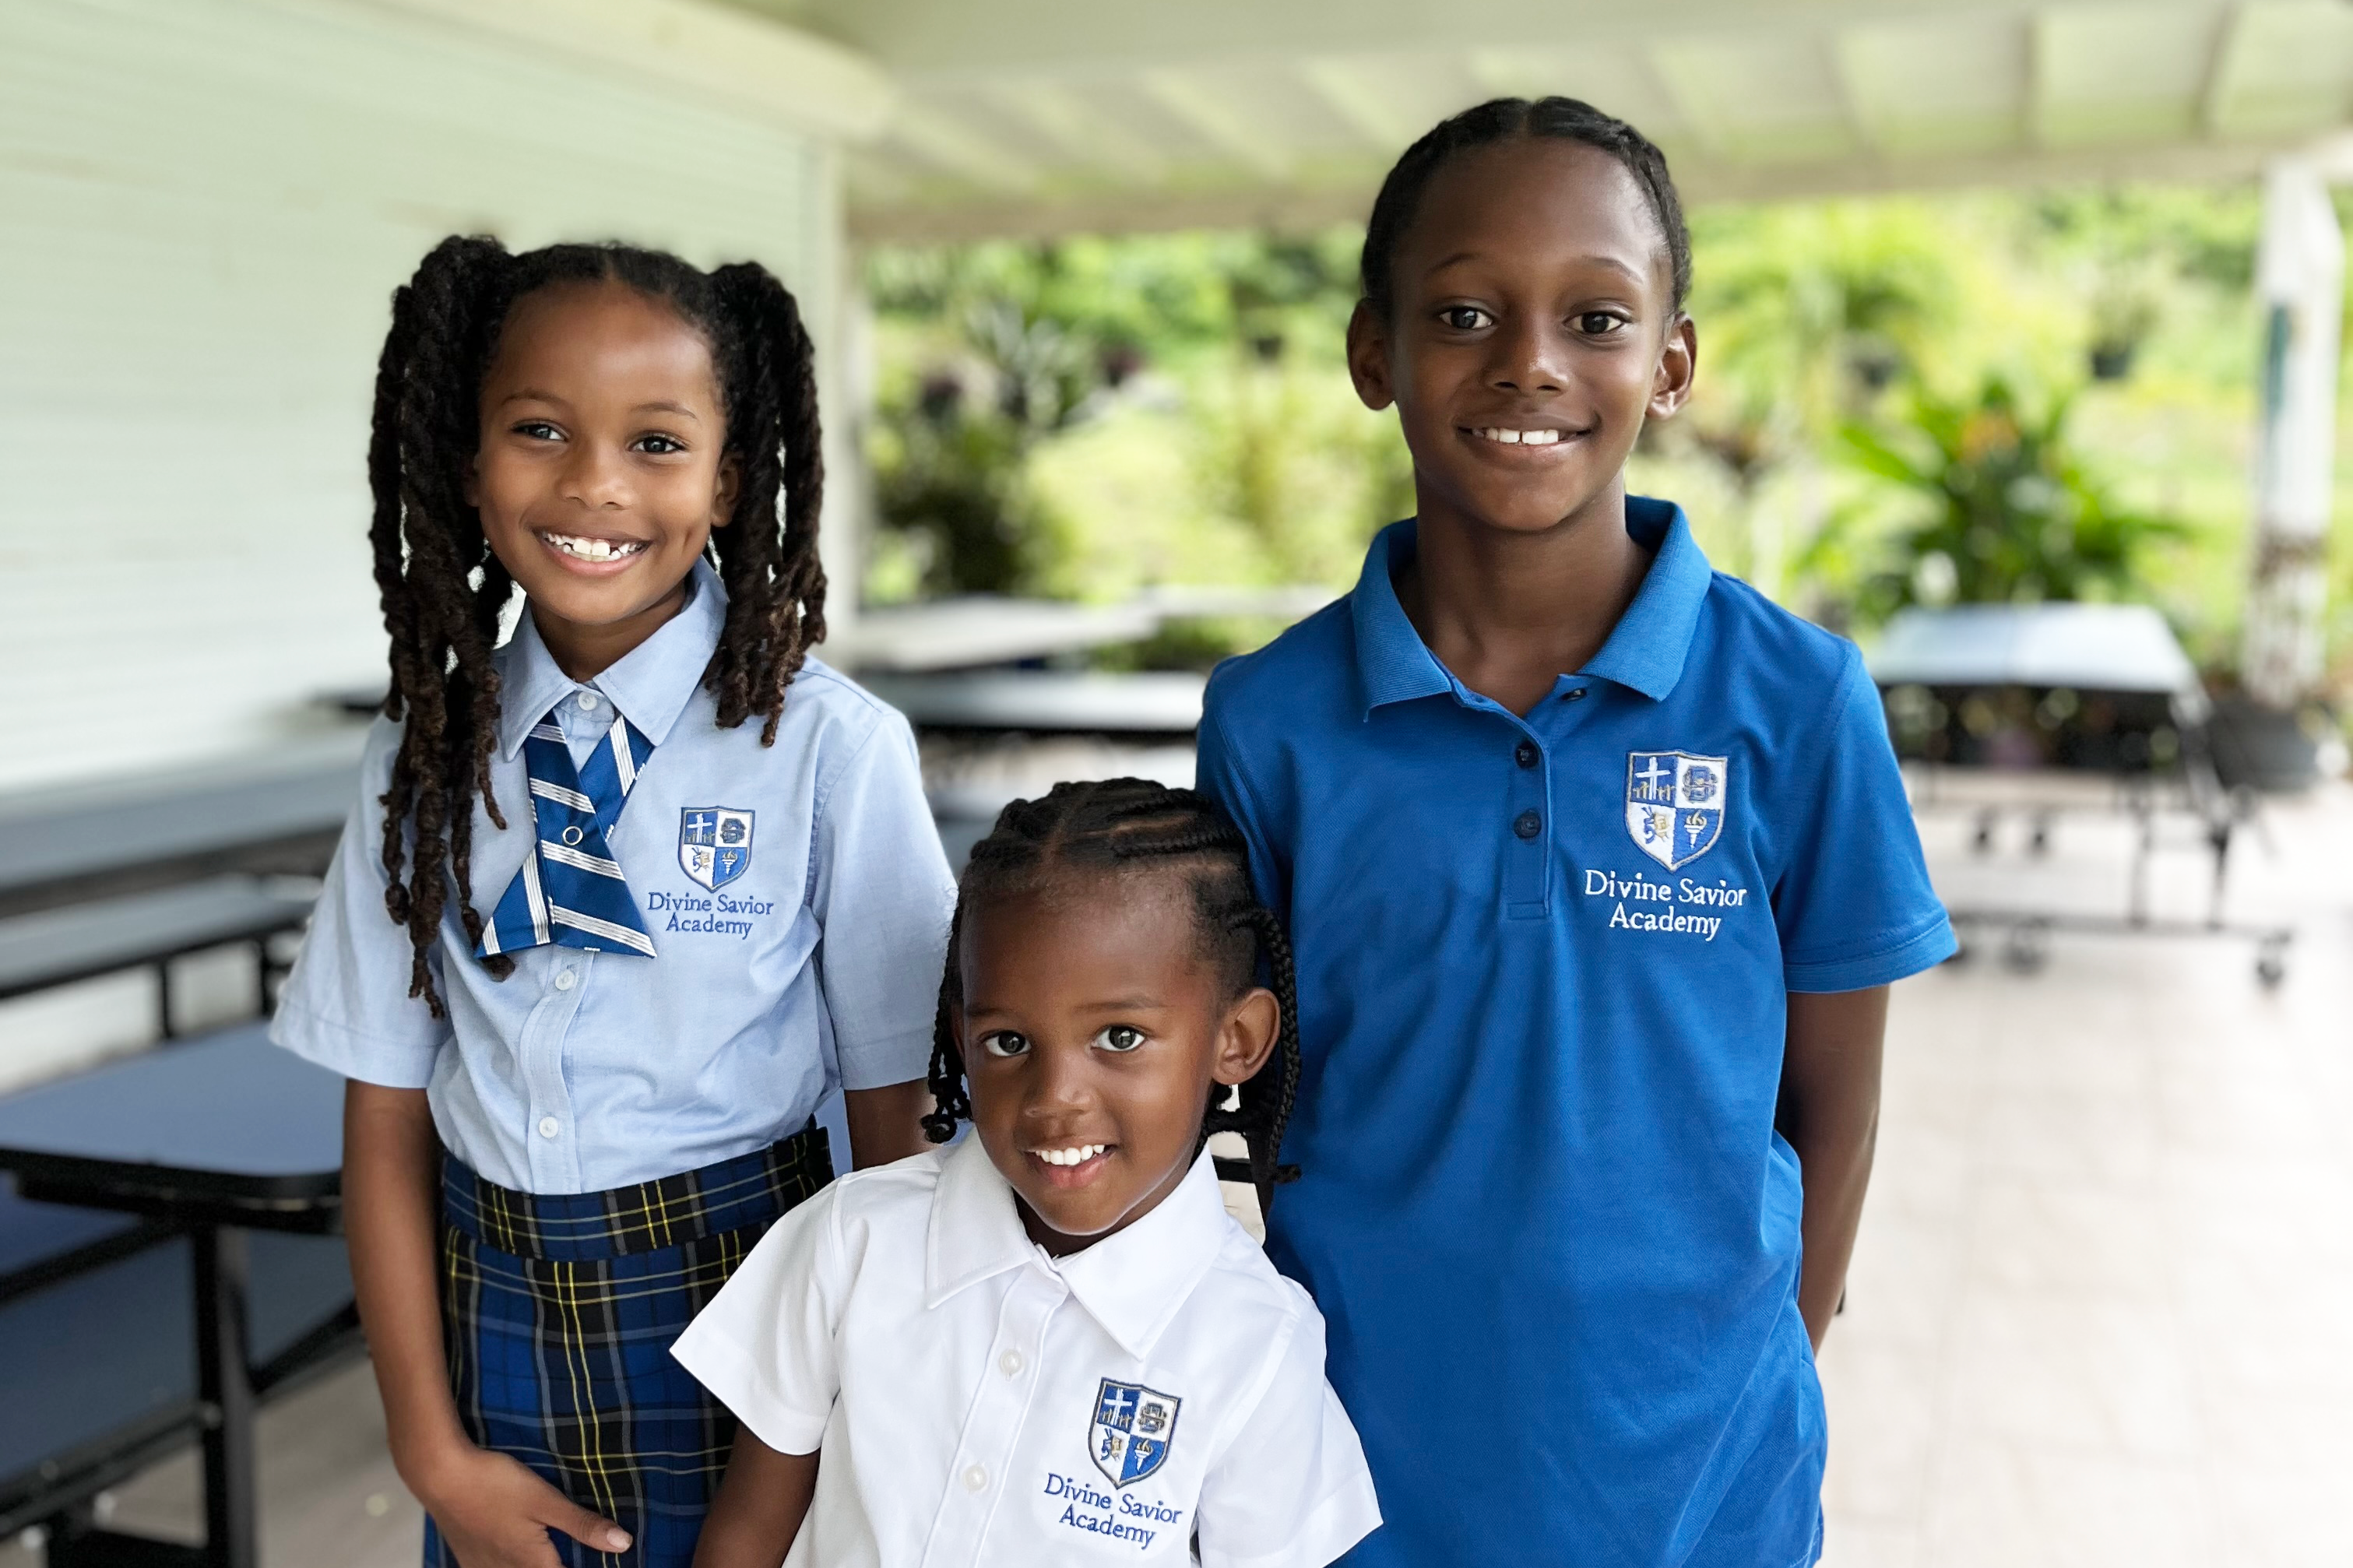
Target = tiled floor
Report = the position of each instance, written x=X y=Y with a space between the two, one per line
x=2102 y=1312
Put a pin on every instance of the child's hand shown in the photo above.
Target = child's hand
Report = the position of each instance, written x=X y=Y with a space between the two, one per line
x=496 y=1514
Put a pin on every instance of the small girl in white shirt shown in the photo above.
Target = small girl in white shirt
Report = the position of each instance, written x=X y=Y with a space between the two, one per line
x=1050 y=1343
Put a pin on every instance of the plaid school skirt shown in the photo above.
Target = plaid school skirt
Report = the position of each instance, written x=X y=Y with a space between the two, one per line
x=559 y=1312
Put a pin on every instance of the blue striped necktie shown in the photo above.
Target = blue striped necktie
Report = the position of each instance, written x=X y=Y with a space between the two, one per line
x=570 y=892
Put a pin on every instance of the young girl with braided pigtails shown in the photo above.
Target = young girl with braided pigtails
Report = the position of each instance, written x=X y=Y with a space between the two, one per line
x=1049 y=1343
x=622 y=899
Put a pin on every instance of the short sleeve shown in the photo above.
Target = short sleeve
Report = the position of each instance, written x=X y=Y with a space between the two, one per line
x=346 y=1005
x=764 y=1345
x=1853 y=901
x=1291 y=1491
x=1220 y=775
x=883 y=897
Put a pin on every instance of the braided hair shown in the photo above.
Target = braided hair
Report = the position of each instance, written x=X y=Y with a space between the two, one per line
x=1118 y=825
x=443 y=590
x=1503 y=119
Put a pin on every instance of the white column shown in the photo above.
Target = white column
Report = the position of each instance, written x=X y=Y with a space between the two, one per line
x=2299 y=284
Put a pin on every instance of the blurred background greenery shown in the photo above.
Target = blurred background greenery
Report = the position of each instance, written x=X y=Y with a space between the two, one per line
x=1915 y=399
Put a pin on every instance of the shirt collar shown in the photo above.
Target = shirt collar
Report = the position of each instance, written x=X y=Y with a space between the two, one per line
x=1133 y=1282
x=650 y=684
x=1645 y=651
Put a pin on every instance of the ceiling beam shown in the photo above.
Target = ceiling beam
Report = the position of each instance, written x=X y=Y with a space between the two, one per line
x=951 y=40
x=1296 y=208
x=1217 y=123
x=955 y=148
x=1080 y=134
x=2231 y=36
x=1341 y=89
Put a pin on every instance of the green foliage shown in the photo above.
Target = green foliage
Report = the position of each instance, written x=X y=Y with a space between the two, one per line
x=2004 y=508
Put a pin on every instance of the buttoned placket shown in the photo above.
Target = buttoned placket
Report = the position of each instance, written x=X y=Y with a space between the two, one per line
x=1010 y=1376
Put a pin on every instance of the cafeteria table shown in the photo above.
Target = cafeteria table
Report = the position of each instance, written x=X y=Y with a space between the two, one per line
x=218 y=1136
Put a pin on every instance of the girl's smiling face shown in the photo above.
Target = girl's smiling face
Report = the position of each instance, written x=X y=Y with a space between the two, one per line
x=1532 y=331
x=1092 y=1030
x=601 y=469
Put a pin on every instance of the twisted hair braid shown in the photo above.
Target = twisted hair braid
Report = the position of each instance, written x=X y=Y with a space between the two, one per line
x=1117 y=824
x=1502 y=120
x=443 y=590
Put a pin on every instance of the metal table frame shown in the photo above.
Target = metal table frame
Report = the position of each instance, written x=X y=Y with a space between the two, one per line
x=214 y=1207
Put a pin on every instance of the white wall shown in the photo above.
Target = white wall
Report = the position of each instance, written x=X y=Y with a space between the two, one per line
x=204 y=206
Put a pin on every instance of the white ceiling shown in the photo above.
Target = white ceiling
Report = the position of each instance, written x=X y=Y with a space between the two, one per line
x=1041 y=116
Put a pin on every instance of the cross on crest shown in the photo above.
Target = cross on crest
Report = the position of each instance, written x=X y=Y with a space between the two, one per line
x=1675 y=804
x=1128 y=1438
x=714 y=844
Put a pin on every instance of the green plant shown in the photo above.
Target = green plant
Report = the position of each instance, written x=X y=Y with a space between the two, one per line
x=2002 y=509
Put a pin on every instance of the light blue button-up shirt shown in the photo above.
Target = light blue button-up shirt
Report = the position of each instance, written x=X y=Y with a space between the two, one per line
x=819 y=966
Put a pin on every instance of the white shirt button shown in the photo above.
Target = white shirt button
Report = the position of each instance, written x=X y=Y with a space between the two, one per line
x=564 y=979
x=975 y=1480
x=1009 y=1363
x=549 y=1127
x=587 y=701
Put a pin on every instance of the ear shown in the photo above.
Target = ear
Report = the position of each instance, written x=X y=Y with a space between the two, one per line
x=1247 y=1037
x=723 y=497
x=1671 y=383
x=472 y=480
x=1368 y=357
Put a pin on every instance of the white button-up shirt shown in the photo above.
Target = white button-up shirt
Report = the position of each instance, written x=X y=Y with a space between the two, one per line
x=976 y=1401
x=818 y=965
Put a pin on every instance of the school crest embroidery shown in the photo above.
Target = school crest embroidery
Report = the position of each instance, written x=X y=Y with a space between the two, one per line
x=1131 y=1431
x=1675 y=804
x=714 y=844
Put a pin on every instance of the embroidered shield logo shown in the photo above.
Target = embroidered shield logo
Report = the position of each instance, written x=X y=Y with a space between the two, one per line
x=1675 y=804
x=714 y=844
x=1130 y=1434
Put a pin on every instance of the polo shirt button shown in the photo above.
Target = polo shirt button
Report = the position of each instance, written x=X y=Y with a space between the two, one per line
x=1574 y=694
x=1526 y=753
x=1009 y=1363
x=564 y=980
x=549 y=1127
x=587 y=701
x=975 y=1480
x=1528 y=825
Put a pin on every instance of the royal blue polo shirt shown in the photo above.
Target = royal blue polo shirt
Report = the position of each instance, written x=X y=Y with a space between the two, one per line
x=1542 y=968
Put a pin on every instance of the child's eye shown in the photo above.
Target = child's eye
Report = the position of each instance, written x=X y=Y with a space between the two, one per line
x=1598 y=323
x=1465 y=318
x=1005 y=1042
x=1119 y=1038
x=539 y=430
x=661 y=445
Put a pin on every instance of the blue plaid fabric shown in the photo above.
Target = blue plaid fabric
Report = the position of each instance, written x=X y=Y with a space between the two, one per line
x=559 y=1312
x=570 y=891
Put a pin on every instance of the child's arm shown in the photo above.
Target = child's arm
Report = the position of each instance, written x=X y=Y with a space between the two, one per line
x=495 y=1512
x=1829 y=1113
x=759 y=1508
x=887 y=1124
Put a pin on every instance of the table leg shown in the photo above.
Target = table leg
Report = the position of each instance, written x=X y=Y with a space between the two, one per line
x=225 y=1385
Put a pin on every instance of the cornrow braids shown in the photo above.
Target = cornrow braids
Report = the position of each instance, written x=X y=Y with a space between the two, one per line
x=1502 y=120
x=443 y=591
x=1117 y=824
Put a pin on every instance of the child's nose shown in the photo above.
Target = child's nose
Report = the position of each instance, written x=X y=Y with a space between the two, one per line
x=1525 y=359
x=596 y=477
x=1062 y=1082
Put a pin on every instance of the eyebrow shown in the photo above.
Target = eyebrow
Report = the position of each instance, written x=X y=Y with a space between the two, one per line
x=531 y=395
x=665 y=406
x=1113 y=1005
x=1611 y=262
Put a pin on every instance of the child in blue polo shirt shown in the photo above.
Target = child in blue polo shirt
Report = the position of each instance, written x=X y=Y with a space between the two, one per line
x=1598 y=866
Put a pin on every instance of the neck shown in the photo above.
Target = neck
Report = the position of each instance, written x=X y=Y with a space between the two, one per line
x=585 y=651
x=1509 y=612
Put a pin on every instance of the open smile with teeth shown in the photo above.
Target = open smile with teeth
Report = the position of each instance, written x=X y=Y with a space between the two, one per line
x=1078 y=1156
x=581 y=549
x=1520 y=437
